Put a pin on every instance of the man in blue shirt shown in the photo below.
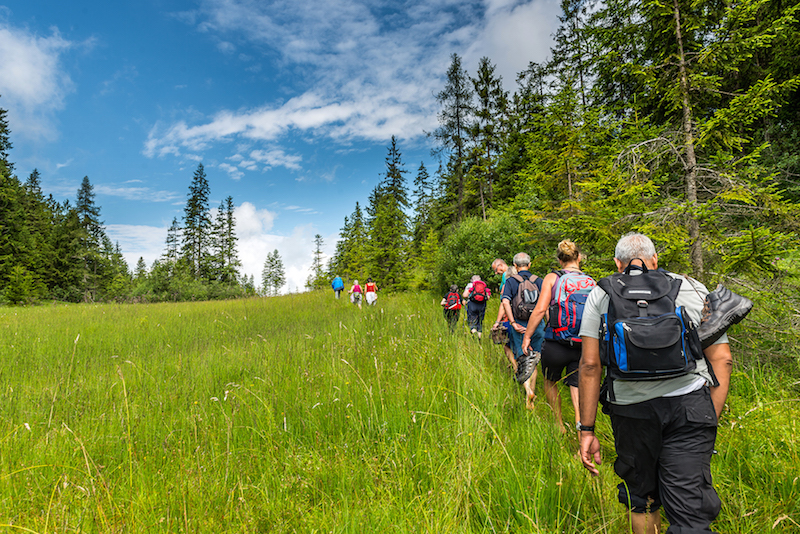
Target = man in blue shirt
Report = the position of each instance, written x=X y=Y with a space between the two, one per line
x=526 y=368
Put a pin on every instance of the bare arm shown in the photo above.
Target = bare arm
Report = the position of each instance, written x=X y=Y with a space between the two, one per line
x=515 y=325
x=719 y=356
x=540 y=310
x=589 y=373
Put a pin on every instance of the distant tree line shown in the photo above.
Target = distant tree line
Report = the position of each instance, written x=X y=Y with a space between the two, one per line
x=57 y=250
x=679 y=120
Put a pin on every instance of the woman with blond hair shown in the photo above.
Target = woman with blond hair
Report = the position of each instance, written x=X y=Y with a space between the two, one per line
x=563 y=296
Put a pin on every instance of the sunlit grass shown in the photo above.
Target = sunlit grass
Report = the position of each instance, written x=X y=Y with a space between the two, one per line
x=303 y=413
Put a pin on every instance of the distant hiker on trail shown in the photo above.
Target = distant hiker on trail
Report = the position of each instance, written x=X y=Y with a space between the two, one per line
x=355 y=293
x=451 y=303
x=477 y=293
x=564 y=294
x=520 y=296
x=499 y=266
x=371 y=294
x=663 y=391
x=337 y=284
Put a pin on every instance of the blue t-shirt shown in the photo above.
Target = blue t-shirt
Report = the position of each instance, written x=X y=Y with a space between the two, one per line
x=512 y=286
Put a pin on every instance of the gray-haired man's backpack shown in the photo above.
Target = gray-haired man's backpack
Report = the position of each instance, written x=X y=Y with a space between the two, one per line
x=644 y=335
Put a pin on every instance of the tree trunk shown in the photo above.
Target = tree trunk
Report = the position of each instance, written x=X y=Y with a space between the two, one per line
x=690 y=169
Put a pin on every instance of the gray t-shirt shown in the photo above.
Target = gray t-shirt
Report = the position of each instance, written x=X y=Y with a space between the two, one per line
x=691 y=296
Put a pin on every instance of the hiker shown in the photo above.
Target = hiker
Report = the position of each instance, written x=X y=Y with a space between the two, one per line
x=499 y=266
x=563 y=294
x=520 y=295
x=337 y=284
x=355 y=293
x=371 y=294
x=477 y=293
x=451 y=303
x=664 y=426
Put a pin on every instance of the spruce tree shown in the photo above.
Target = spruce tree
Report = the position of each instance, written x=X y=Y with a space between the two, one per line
x=388 y=227
x=91 y=240
x=487 y=132
x=273 y=275
x=230 y=257
x=197 y=225
x=316 y=280
x=455 y=121
x=5 y=141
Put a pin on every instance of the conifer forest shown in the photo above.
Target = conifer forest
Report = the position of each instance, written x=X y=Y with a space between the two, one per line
x=680 y=120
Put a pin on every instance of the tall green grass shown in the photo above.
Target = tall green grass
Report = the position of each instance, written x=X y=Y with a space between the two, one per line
x=303 y=413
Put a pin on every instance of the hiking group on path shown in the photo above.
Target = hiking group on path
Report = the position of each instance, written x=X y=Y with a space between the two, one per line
x=661 y=339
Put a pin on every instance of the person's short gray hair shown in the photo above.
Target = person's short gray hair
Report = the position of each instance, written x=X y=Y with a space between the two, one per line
x=521 y=259
x=634 y=245
x=475 y=278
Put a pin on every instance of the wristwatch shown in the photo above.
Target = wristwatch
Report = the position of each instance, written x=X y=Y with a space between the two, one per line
x=584 y=428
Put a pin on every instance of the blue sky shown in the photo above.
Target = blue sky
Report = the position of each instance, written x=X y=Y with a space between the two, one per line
x=290 y=105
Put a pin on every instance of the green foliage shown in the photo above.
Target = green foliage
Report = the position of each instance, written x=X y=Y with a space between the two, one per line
x=472 y=247
x=20 y=287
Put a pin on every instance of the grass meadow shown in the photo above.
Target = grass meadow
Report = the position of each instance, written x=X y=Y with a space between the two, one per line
x=305 y=414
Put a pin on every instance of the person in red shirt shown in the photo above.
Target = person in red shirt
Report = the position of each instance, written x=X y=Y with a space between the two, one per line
x=371 y=292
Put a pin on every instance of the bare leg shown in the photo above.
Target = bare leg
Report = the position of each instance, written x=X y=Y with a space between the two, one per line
x=551 y=394
x=530 y=387
x=510 y=356
x=646 y=523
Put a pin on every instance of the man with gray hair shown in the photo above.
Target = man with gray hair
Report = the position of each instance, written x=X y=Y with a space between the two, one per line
x=523 y=283
x=663 y=392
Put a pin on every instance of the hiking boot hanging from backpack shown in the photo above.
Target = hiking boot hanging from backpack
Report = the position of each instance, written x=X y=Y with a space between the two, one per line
x=723 y=308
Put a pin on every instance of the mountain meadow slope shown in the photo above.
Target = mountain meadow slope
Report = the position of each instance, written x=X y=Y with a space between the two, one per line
x=303 y=413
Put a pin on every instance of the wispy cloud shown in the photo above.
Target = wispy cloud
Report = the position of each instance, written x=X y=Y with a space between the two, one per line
x=33 y=82
x=65 y=164
x=137 y=193
x=369 y=71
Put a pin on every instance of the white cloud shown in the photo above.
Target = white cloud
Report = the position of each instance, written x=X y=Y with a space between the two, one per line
x=514 y=34
x=275 y=157
x=369 y=71
x=232 y=170
x=138 y=241
x=33 y=83
x=255 y=241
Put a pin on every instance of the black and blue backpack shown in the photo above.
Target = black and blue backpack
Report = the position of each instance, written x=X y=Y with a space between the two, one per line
x=644 y=335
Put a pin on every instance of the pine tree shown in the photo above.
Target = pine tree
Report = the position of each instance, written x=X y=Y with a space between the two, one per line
x=455 y=121
x=140 y=273
x=487 y=132
x=316 y=280
x=273 y=275
x=387 y=251
x=173 y=243
x=230 y=258
x=423 y=199
x=91 y=241
x=197 y=225
x=5 y=141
